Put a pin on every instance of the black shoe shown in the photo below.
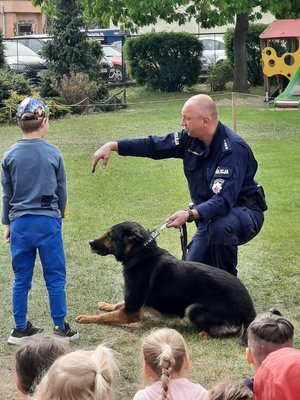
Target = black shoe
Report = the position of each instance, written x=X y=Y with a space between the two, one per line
x=18 y=337
x=66 y=333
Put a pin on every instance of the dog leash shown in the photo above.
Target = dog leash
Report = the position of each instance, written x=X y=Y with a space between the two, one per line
x=183 y=241
x=183 y=237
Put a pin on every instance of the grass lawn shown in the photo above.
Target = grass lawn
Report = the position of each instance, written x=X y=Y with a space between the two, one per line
x=147 y=191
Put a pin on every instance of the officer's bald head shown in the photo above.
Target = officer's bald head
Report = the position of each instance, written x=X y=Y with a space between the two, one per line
x=203 y=105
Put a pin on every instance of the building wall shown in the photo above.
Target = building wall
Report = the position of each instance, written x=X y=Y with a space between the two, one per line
x=19 y=16
x=195 y=28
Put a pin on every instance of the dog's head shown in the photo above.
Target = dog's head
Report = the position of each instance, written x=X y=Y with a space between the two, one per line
x=120 y=240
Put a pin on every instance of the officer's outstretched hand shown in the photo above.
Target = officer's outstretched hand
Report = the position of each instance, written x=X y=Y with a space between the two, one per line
x=103 y=153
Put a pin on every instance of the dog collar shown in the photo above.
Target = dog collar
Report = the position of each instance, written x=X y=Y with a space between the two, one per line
x=155 y=233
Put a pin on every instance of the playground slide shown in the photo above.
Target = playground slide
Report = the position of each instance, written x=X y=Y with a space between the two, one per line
x=290 y=97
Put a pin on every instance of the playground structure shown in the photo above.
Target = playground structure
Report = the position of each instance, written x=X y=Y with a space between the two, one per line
x=282 y=36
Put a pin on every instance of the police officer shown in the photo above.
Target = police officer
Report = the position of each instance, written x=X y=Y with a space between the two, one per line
x=220 y=168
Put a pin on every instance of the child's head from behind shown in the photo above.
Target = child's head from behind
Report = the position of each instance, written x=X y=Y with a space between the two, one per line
x=31 y=114
x=267 y=333
x=165 y=353
x=230 y=391
x=35 y=357
x=90 y=373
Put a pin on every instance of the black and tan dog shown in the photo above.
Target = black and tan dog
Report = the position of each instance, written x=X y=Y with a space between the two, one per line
x=215 y=302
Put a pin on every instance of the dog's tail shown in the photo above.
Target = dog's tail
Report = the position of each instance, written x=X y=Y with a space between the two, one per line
x=251 y=314
x=212 y=323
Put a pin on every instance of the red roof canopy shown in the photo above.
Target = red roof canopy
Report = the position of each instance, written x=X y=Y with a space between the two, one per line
x=282 y=28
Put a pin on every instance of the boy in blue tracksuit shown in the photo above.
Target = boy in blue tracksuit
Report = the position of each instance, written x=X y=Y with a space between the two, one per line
x=34 y=198
x=220 y=168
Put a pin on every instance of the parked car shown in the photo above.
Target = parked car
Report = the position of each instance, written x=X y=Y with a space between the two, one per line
x=115 y=56
x=206 y=66
x=213 y=48
x=118 y=45
x=22 y=60
x=36 y=43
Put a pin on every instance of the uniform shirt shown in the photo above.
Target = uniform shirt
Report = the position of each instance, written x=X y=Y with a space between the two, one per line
x=33 y=180
x=219 y=177
x=179 y=389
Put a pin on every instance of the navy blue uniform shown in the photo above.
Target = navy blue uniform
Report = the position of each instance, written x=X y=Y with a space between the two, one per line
x=222 y=188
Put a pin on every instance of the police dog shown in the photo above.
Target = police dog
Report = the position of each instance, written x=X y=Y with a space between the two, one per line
x=215 y=302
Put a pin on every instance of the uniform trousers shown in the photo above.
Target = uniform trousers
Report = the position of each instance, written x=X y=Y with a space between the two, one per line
x=216 y=241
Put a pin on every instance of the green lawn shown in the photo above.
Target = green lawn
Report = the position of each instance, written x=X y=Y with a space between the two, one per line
x=147 y=191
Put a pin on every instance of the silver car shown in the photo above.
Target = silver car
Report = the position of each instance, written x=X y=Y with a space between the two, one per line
x=22 y=60
x=213 y=48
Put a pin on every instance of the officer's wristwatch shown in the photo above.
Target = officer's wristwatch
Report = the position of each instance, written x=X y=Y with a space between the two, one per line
x=191 y=217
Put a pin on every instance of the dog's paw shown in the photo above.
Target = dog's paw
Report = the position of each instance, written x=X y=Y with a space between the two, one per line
x=204 y=335
x=84 y=319
x=106 y=306
x=111 y=307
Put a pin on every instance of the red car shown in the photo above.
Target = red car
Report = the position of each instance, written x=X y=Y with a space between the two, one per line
x=115 y=56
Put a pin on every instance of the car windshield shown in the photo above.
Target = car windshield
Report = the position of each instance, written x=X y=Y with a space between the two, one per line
x=111 y=52
x=13 y=49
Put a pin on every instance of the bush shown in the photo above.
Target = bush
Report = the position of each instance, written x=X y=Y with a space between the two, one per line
x=254 y=59
x=10 y=81
x=219 y=75
x=46 y=86
x=166 y=61
x=76 y=87
x=57 y=110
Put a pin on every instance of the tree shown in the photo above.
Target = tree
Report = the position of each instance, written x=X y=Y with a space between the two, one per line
x=133 y=14
x=70 y=50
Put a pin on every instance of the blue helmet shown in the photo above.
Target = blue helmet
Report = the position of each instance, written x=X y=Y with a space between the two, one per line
x=32 y=108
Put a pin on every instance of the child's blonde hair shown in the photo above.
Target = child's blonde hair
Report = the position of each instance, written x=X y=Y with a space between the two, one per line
x=84 y=375
x=164 y=351
x=230 y=391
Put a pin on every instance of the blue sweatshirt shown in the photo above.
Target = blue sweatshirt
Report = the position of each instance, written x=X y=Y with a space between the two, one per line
x=33 y=180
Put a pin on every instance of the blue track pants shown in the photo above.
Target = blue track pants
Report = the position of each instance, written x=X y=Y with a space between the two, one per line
x=30 y=233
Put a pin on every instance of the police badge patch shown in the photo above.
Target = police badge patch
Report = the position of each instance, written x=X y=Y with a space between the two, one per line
x=217 y=186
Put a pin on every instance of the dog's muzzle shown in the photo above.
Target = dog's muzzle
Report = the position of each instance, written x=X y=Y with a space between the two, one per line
x=94 y=249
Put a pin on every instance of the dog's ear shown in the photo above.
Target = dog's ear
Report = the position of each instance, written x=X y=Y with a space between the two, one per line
x=135 y=236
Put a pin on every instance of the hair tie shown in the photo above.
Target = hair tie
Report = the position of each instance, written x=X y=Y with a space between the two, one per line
x=166 y=347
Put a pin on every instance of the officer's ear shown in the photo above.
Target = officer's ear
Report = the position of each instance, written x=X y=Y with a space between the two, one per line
x=206 y=120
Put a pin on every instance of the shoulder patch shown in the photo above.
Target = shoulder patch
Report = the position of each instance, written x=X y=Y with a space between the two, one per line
x=217 y=186
x=176 y=138
x=223 y=172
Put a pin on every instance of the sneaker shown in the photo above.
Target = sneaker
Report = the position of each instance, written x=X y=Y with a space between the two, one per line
x=67 y=332
x=18 y=337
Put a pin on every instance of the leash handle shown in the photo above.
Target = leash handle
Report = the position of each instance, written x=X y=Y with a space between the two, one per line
x=183 y=240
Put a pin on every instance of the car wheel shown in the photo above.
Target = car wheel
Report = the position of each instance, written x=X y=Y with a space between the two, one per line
x=118 y=74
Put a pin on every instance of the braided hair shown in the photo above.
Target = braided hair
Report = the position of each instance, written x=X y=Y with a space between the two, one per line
x=164 y=351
